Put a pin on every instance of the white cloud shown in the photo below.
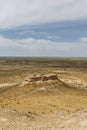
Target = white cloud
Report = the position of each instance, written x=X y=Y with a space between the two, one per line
x=83 y=39
x=33 y=47
x=53 y=37
x=15 y=13
x=31 y=32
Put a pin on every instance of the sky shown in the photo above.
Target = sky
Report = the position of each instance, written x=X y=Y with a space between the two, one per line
x=43 y=28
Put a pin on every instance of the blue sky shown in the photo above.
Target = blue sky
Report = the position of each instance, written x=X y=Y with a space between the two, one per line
x=62 y=32
x=43 y=28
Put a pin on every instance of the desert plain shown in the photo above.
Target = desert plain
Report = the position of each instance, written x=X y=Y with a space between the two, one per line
x=51 y=104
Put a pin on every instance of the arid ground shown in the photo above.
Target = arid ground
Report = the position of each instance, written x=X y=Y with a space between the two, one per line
x=47 y=105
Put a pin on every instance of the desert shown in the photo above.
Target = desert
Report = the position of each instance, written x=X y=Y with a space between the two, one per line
x=43 y=93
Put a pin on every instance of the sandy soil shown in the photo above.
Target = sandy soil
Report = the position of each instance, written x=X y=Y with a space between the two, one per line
x=44 y=106
x=63 y=120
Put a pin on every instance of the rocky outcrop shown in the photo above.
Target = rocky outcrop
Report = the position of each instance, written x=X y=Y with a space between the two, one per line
x=49 y=77
x=33 y=78
x=40 y=78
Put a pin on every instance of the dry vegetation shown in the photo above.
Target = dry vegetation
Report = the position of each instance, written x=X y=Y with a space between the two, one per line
x=67 y=94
